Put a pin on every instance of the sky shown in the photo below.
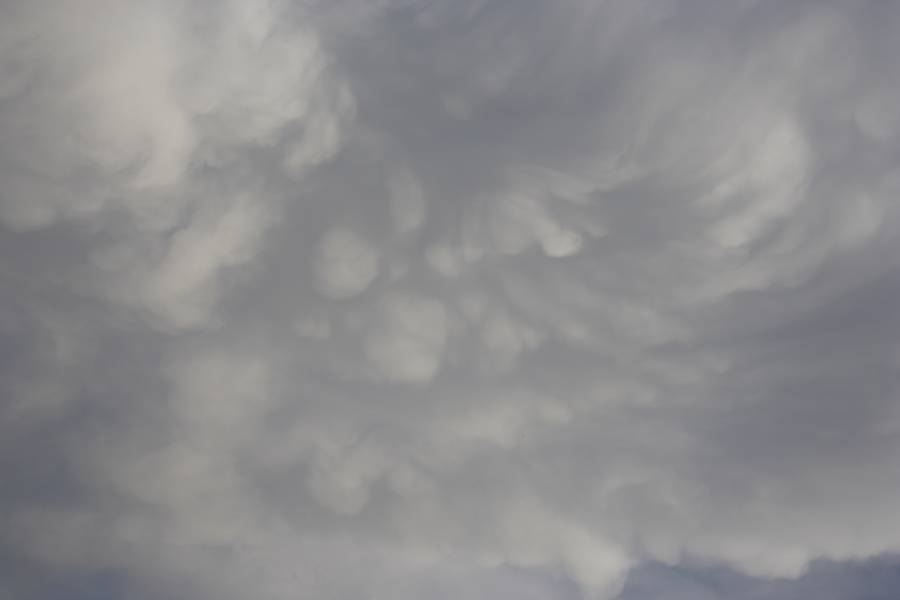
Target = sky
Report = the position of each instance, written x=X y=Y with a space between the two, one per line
x=449 y=299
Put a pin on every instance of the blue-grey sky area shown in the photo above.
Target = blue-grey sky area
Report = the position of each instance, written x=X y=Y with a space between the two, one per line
x=431 y=299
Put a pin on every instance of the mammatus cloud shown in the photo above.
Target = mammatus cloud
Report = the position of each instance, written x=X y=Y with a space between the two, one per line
x=424 y=299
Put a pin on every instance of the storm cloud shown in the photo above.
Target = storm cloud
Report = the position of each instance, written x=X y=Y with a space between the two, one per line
x=448 y=298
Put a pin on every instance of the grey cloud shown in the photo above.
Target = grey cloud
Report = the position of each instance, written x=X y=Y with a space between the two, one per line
x=422 y=299
x=874 y=579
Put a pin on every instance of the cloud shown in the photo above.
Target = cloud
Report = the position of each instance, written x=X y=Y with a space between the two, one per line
x=146 y=131
x=873 y=579
x=475 y=298
x=409 y=344
x=345 y=264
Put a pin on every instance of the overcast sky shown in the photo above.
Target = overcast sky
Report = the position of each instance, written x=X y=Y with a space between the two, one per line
x=449 y=299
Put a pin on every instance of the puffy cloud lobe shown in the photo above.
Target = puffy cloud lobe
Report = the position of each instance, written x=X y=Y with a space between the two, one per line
x=387 y=297
x=345 y=263
x=409 y=344
x=146 y=116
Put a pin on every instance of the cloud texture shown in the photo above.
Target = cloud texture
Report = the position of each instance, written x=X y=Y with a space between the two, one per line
x=427 y=299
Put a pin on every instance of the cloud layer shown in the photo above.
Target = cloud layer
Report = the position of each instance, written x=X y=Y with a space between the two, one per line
x=477 y=298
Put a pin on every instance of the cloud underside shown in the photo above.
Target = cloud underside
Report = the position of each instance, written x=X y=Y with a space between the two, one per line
x=386 y=298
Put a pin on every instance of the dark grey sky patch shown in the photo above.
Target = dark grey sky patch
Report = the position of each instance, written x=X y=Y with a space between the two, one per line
x=877 y=579
x=408 y=298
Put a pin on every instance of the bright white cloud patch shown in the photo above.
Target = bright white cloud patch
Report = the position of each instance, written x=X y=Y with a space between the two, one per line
x=460 y=298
